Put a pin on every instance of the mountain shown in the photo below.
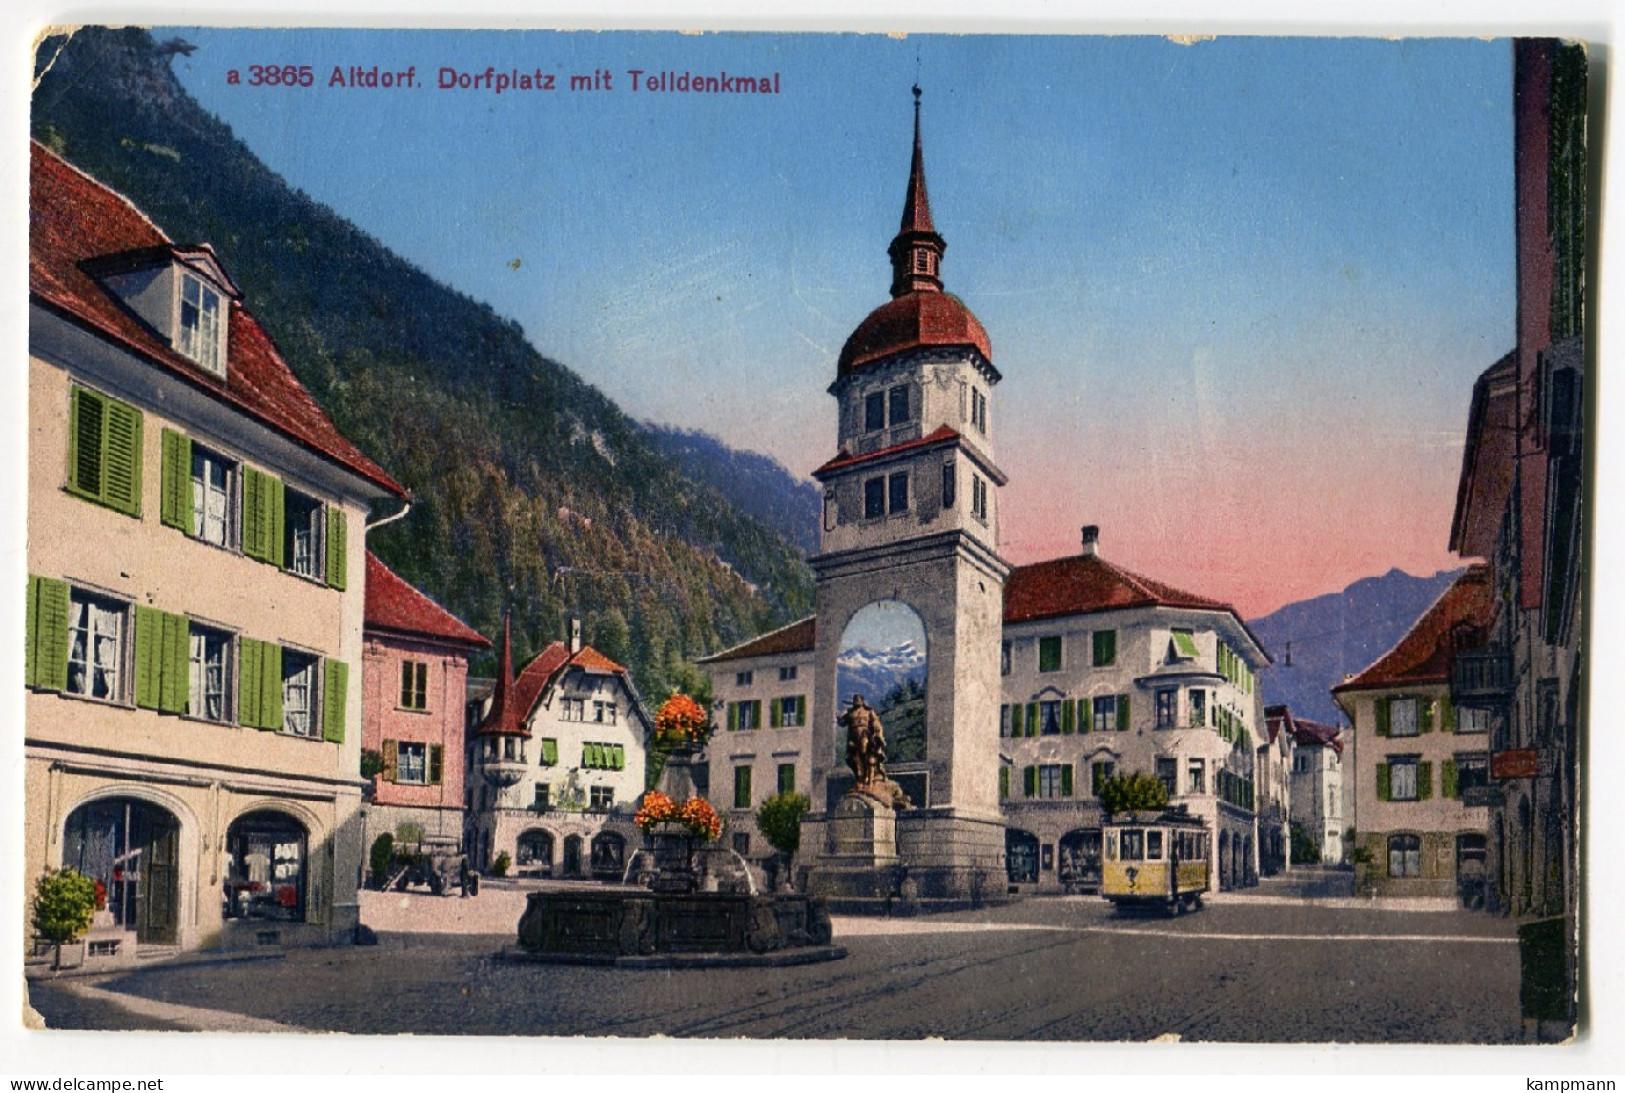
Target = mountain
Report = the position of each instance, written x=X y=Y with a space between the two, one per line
x=1333 y=636
x=875 y=674
x=530 y=486
x=758 y=484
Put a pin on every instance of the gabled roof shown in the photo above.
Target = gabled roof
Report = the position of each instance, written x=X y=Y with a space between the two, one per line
x=77 y=223
x=393 y=604
x=798 y=637
x=512 y=703
x=1424 y=654
x=1305 y=733
x=1487 y=460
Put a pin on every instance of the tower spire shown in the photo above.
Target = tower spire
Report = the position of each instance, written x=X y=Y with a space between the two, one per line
x=916 y=252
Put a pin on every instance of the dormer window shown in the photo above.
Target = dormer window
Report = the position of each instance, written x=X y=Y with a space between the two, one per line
x=198 y=335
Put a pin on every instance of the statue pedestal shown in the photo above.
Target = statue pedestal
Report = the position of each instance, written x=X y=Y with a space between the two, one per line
x=859 y=867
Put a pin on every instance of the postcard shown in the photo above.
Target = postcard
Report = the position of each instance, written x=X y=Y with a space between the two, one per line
x=807 y=536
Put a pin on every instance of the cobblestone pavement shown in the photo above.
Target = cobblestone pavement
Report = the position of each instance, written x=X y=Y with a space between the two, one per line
x=1060 y=969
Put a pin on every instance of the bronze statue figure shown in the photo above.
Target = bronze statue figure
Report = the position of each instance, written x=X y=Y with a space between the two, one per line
x=866 y=755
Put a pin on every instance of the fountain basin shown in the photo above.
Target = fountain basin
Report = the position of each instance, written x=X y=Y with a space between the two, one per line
x=660 y=929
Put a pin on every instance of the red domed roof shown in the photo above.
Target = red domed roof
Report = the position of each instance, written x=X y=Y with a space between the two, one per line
x=912 y=320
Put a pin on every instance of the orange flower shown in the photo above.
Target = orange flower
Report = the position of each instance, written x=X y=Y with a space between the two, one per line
x=682 y=720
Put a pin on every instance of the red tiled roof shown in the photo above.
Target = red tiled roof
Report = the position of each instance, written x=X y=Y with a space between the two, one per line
x=1423 y=655
x=511 y=705
x=915 y=319
x=798 y=637
x=393 y=604
x=1085 y=583
x=942 y=434
x=75 y=220
x=1304 y=732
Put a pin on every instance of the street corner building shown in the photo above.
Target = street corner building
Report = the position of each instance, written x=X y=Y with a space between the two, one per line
x=556 y=762
x=1315 y=805
x=1008 y=694
x=195 y=595
x=1420 y=764
x=415 y=679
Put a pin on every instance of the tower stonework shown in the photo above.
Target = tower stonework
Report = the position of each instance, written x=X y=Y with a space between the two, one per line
x=910 y=517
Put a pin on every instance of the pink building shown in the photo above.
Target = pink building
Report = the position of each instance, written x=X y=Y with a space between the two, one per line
x=414 y=688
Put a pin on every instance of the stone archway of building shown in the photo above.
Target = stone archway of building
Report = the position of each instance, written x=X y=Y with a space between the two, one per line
x=572 y=856
x=533 y=850
x=1247 y=873
x=268 y=867
x=1078 y=860
x=132 y=847
x=1224 y=859
x=884 y=657
x=1021 y=856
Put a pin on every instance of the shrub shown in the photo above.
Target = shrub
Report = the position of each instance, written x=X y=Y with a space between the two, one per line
x=379 y=859
x=500 y=863
x=64 y=901
x=1135 y=792
x=779 y=818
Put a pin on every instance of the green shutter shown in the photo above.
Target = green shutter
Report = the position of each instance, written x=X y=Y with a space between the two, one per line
x=337 y=553
x=1016 y=711
x=1447 y=715
x=250 y=682
x=149 y=656
x=391 y=756
x=175 y=682
x=1068 y=713
x=620 y=756
x=1383 y=792
x=1029 y=781
x=733 y=717
x=589 y=756
x=253 y=515
x=1384 y=719
x=175 y=490
x=271 y=686
x=1032 y=719
x=31 y=633
x=47 y=634
x=1424 y=781
x=550 y=751
x=801 y=710
x=123 y=449
x=85 y=416
x=1424 y=715
x=1449 y=779
x=1066 y=779
x=338 y=689
x=1004 y=781
x=437 y=758
x=1097 y=777
x=263 y=515
x=775 y=713
x=1086 y=714
x=1123 y=723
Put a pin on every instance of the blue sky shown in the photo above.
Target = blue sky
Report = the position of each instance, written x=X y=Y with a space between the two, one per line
x=1239 y=290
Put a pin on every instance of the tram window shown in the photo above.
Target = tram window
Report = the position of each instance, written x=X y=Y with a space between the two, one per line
x=1133 y=846
x=1111 y=846
x=1153 y=846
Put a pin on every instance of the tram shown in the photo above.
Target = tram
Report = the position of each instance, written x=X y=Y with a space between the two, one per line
x=1157 y=859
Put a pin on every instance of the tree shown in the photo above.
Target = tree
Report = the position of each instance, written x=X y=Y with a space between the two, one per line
x=380 y=858
x=779 y=818
x=1135 y=792
x=64 y=901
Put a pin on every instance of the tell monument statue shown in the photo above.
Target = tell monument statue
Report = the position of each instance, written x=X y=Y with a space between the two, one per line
x=866 y=755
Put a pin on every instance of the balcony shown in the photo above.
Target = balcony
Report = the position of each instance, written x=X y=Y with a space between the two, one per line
x=1481 y=678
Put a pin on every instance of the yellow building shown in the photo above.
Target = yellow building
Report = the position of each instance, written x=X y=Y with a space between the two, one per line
x=196 y=532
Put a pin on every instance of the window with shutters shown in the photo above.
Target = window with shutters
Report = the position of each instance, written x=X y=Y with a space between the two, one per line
x=792 y=711
x=202 y=321
x=104 y=451
x=1471 y=771
x=1004 y=720
x=414 y=685
x=412 y=763
x=742 y=787
x=747 y=715
x=96 y=641
x=302 y=534
x=1055 y=780
x=214 y=491
x=210 y=695
x=299 y=695
x=1099 y=772
x=787 y=777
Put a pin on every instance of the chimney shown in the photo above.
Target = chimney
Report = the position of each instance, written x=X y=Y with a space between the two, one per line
x=575 y=636
x=1091 y=539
